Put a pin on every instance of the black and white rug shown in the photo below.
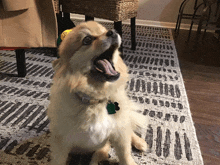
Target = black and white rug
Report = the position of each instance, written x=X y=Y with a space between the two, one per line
x=156 y=84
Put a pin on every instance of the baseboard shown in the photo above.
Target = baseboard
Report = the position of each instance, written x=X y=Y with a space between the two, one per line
x=170 y=25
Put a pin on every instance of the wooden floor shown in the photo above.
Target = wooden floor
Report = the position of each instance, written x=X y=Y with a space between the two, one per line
x=201 y=74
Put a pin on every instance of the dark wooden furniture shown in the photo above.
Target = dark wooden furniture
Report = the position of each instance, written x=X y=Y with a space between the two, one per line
x=202 y=19
x=114 y=10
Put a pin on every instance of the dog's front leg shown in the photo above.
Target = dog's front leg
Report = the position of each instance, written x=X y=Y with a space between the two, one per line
x=139 y=143
x=122 y=144
x=101 y=154
x=59 y=151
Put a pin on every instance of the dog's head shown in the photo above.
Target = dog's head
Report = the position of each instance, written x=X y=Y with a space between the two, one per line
x=91 y=50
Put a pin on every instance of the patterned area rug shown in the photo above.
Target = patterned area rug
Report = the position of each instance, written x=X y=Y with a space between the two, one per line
x=156 y=84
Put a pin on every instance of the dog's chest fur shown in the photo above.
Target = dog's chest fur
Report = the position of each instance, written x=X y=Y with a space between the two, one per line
x=84 y=127
x=93 y=133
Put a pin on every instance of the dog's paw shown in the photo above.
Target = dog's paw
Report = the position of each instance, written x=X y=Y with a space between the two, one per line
x=141 y=145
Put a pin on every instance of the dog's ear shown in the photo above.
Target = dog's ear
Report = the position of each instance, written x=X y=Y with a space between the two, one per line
x=55 y=64
x=59 y=68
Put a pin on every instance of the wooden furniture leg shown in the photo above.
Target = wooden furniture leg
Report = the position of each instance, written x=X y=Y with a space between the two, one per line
x=21 y=64
x=88 y=18
x=133 y=34
x=118 y=28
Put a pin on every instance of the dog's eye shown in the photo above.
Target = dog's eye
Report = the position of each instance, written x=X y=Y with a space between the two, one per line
x=88 y=40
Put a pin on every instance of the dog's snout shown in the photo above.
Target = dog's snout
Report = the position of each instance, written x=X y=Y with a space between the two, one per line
x=109 y=33
x=113 y=37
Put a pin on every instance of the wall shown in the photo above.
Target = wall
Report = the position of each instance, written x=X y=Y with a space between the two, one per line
x=162 y=10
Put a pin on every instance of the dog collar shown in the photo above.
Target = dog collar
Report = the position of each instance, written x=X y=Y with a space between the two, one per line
x=87 y=99
x=111 y=107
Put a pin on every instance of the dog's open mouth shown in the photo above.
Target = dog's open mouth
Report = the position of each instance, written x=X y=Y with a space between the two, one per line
x=104 y=67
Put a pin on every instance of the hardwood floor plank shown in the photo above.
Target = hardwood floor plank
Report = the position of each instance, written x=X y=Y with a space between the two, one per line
x=201 y=74
x=211 y=138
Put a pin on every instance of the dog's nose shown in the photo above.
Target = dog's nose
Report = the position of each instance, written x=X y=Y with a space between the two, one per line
x=109 y=33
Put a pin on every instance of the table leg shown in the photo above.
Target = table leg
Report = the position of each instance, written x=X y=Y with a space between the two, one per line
x=21 y=64
x=118 y=28
x=133 y=34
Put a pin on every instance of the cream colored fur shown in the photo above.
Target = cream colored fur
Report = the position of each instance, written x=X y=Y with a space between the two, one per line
x=78 y=127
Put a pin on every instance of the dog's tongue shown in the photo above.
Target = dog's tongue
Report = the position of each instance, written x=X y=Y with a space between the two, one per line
x=106 y=67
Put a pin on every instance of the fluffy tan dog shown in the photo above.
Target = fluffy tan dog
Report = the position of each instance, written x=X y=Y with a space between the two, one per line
x=89 y=76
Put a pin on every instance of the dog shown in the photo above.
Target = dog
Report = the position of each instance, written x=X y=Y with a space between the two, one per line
x=90 y=76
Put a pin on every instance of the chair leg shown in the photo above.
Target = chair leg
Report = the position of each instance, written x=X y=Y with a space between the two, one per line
x=192 y=21
x=180 y=16
x=66 y=16
x=199 y=29
x=88 y=18
x=207 y=23
x=64 y=22
x=190 y=30
x=21 y=64
x=133 y=34
x=67 y=21
x=118 y=28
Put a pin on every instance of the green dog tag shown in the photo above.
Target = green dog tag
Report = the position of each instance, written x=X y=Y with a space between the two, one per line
x=111 y=108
